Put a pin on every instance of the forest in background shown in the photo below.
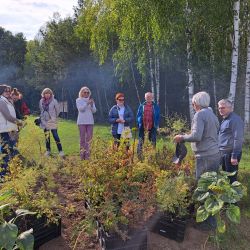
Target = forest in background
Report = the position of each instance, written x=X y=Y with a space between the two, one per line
x=172 y=48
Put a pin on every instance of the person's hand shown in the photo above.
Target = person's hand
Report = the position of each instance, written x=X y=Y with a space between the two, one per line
x=234 y=162
x=178 y=138
x=91 y=101
x=19 y=123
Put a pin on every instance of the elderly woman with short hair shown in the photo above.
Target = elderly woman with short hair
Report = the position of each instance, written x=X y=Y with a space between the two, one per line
x=204 y=135
x=49 y=108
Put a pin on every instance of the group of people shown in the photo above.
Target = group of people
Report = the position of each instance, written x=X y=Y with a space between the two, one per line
x=214 y=144
x=120 y=117
x=13 y=109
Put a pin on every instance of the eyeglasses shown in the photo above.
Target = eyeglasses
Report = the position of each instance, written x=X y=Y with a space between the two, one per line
x=221 y=108
x=85 y=92
x=121 y=100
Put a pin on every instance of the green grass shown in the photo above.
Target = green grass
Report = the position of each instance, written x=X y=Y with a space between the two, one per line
x=69 y=135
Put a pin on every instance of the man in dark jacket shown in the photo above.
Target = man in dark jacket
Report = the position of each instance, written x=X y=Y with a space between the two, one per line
x=230 y=138
x=148 y=118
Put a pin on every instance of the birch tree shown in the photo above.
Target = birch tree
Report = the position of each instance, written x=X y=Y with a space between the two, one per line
x=235 y=52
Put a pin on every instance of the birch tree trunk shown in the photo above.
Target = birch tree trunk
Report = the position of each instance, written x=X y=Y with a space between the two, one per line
x=151 y=69
x=189 y=64
x=213 y=74
x=247 y=87
x=235 y=52
x=136 y=87
x=157 y=78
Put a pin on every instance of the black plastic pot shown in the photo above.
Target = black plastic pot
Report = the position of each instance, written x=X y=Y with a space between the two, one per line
x=112 y=241
x=170 y=227
x=42 y=230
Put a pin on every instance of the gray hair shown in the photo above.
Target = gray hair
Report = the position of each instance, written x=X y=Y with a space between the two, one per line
x=201 y=99
x=226 y=102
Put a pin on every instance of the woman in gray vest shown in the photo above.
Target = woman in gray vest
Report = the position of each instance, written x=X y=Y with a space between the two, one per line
x=8 y=127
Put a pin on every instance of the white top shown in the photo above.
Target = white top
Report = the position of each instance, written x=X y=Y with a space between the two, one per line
x=121 y=110
x=85 y=111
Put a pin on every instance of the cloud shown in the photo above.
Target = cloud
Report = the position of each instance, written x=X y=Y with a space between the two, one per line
x=27 y=16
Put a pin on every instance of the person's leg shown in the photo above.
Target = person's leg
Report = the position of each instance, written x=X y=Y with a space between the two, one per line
x=57 y=139
x=82 y=131
x=140 y=143
x=207 y=164
x=47 y=140
x=152 y=136
x=116 y=143
x=89 y=136
x=6 y=153
x=228 y=167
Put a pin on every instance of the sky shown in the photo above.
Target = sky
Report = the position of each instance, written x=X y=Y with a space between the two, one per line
x=28 y=16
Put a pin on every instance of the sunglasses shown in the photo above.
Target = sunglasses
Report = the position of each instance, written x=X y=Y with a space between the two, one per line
x=7 y=91
x=85 y=92
x=121 y=100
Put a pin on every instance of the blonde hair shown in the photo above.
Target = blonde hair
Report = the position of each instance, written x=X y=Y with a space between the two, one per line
x=46 y=91
x=82 y=89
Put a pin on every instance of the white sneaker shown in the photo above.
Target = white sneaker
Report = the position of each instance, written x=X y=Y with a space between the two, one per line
x=47 y=153
x=61 y=153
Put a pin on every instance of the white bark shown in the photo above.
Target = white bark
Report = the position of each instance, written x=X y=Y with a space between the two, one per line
x=157 y=78
x=247 y=86
x=135 y=84
x=151 y=69
x=235 y=52
x=189 y=64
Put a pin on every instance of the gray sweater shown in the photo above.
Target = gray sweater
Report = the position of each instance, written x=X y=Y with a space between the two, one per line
x=204 y=133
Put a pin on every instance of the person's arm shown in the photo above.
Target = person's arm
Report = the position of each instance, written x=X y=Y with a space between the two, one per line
x=196 y=130
x=93 y=107
x=130 y=117
x=112 y=117
x=139 y=115
x=81 y=106
x=237 y=127
x=6 y=113
x=57 y=107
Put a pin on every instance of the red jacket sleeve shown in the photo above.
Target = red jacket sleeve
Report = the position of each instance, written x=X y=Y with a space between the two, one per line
x=24 y=108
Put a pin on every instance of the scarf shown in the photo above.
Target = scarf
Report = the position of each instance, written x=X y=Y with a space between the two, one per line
x=46 y=103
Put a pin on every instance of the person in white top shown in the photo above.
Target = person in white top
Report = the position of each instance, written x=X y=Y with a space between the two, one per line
x=85 y=121
x=8 y=126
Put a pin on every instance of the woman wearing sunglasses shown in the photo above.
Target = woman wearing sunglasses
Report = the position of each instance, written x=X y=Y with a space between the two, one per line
x=85 y=121
x=120 y=117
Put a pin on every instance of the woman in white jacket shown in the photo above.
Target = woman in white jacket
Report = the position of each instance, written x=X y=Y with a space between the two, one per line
x=49 y=108
x=8 y=127
x=85 y=121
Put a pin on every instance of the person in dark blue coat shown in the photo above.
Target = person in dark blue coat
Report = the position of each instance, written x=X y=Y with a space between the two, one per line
x=148 y=119
x=120 y=117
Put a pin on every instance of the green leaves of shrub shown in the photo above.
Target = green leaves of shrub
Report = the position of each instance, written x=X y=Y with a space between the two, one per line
x=215 y=194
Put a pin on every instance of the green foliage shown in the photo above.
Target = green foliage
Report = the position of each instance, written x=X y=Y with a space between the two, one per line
x=9 y=238
x=217 y=195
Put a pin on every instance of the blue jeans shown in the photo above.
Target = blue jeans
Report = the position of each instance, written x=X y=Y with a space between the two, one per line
x=56 y=138
x=8 y=149
x=227 y=166
x=151 y=138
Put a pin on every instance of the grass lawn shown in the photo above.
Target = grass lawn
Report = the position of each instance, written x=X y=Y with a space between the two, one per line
x=69 y=135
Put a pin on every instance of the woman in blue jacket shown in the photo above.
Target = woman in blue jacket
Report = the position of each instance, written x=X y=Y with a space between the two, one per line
x=120 y=117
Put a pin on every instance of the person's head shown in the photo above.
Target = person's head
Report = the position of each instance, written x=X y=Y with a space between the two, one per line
x=15 y=94
x=149 y=97
x=84 y=92
x=119 y=97
x=47 y=93
x=5 y=90
x=225 y=107
x=201 y=100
